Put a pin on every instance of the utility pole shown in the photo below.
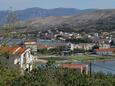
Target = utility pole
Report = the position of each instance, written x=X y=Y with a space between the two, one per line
x=90 y=71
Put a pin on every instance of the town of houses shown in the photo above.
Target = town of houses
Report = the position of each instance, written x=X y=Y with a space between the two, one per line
x=23 y=49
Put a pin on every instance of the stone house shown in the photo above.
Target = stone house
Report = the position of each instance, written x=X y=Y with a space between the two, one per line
x=32 y=45
x=85 y=46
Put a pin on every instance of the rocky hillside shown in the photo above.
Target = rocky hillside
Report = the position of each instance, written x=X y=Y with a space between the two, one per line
x=100 y=20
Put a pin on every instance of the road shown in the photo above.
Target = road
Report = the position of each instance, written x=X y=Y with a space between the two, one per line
x=59 y=59
x=54 y=56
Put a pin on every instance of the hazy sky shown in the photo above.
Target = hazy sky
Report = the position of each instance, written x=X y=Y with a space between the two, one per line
x=80 y=4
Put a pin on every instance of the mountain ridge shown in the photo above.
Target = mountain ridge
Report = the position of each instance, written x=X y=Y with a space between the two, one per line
x=40 y=12
x=94 y=20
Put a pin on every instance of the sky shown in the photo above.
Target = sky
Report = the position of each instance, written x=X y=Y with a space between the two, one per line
x=79 y=4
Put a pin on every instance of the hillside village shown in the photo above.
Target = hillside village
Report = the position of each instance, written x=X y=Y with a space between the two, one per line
x=57 y=43
x=48 y=39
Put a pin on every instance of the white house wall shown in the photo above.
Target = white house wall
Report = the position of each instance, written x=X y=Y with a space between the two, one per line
x=29 y=60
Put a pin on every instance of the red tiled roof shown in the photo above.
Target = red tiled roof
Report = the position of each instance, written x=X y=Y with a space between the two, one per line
x=72 y=66
x=43 y=46
x=105 y=50
x=21 y=50
x=13 y=50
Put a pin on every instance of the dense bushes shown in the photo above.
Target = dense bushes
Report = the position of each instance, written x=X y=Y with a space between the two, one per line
x=51 y=51
x=53 y=77
x=7 y=73
x=59 y=77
